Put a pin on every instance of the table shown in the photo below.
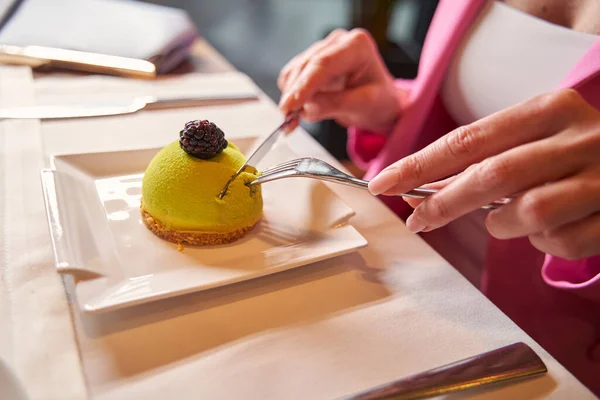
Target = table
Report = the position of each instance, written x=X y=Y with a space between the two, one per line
x=325 y=330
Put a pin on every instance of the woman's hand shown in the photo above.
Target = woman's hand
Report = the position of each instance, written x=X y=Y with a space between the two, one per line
x=343 y=78
x=546 y=151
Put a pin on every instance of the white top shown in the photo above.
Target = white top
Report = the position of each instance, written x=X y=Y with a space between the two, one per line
x=506 y=57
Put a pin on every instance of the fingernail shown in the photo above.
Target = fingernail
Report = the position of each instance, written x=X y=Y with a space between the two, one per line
x=415 y=224
x=383 y=182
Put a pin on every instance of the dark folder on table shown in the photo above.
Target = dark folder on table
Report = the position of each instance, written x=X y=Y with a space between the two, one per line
x=121 y=37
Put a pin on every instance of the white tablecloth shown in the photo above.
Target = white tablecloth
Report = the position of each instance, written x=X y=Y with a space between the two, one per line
x=36 y=333
x=321 y=331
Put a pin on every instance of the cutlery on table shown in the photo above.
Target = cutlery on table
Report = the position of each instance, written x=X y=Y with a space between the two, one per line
x=44 y=56
x=308 y=167
x=506 y=364
x=118 y=107
x=262 y=149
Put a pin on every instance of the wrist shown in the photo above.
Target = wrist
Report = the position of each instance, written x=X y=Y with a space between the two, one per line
x=392 y=102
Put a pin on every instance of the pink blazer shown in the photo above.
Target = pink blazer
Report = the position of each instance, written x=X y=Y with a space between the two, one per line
x=555 y=301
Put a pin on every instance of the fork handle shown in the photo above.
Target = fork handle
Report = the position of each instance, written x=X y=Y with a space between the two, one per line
x=419 y=193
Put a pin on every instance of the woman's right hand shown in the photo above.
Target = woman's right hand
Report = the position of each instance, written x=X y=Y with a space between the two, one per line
x=343 y=78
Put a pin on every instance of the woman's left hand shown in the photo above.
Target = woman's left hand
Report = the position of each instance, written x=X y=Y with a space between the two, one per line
x=546 y=151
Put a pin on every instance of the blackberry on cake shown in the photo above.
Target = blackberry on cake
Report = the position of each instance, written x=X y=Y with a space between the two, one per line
x=202 y=139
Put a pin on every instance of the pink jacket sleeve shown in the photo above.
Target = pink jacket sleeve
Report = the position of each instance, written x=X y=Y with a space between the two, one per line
x=581 y=276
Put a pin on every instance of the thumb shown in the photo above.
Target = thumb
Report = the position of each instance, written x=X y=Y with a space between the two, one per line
x=385 y=183
x=439 y=185
x=335 y=104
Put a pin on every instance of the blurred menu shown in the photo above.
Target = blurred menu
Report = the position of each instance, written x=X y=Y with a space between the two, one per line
x=122 y=28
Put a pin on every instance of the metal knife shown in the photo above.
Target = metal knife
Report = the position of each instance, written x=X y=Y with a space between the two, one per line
x=262 y=149
x=98 y=109
x=514 y=362
x=43 y=56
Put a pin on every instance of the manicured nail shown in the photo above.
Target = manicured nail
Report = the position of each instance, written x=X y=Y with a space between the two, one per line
x=383 y=182
x=415 y=224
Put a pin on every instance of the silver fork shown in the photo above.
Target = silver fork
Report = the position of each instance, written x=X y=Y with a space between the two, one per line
x=314 y=168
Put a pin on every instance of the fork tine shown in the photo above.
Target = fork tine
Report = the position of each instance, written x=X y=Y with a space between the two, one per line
x=285 y=163
x=283 y=166
x=272 y=176
x=279 y=168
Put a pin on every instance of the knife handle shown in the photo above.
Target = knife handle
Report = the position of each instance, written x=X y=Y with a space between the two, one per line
x=37 y=56
x=516 y=361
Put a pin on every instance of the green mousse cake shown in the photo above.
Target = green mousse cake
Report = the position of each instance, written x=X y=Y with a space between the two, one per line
x=181 y=186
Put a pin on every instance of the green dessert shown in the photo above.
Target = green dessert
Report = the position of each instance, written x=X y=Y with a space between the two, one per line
x=181 y=186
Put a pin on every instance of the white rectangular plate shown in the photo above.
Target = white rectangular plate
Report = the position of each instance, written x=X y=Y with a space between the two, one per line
x=92 y=204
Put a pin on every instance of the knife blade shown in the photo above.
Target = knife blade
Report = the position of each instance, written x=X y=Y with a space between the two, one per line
x=262 y=149
x=119 y=107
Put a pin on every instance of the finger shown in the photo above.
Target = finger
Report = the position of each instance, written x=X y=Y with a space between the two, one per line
x=336 y=85
x=573 y=241
x=339 y=59
x=291 y=126
x=439 y=185
x=546 y=207
x=513 y=171
x=446 y=181
x=287 y=68
x=413 y=202
x=301 y=64
x=356 y=106
x=332 y=105
x=529 y=121
x=297 y=63
x=301 y=59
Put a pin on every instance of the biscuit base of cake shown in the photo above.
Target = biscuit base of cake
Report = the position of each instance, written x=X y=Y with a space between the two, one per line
x=194 y=238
